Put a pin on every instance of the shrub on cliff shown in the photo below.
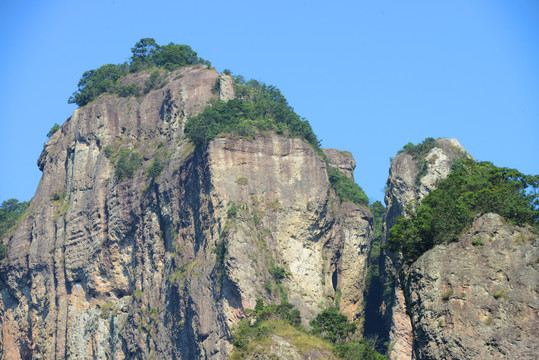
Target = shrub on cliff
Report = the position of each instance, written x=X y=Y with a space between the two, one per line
x=331 y=332
x=420 y=150
x=10 y=211
x=257 y=108
x=471 y=188
x=147 y=54
x=127 y=165
x=333 y=326
x=346 y=188
x=53 y=130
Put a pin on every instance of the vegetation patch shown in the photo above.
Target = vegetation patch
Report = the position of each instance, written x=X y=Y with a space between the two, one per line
x=127 y=165
x=500 y=294
x=471 y=188
x=379 y=288
x=258 y=108
x=331 y=331
x=10 y=212
x=346 y=188
x=354 y=350
x=277 y=272
x=477 y=241
x=53 y=130
x=137 y=293
x=446 y=294
x=157 y=80
x=242 y=181
x=419 y=151
x=146 y=54
x=180 y=275
x=232 y=211
x=521 y=239
x=160 y=160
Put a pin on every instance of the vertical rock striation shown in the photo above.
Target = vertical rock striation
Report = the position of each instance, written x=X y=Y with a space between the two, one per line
x=477 y=298
x=162 y=263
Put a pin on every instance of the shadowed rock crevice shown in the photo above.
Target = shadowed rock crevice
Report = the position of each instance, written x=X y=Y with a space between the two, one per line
x=110 y=266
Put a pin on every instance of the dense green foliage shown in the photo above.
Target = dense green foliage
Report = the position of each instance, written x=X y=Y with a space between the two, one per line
x=377 y=209
x=472 y=188
x=355 y=350
x=420 y=150
x=330 y=324
x=333 y=326
x=277 y=272
x=346 y=188
x=147 y=54
x=10 y=211
x=53 y=130
x=258 y=108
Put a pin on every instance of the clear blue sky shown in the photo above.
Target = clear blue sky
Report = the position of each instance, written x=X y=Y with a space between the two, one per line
x=370 y=76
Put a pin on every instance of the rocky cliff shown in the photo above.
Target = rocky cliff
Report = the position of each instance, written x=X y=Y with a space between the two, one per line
x=410 y=179
x=162 y=263
x=477 y=298
x=471 y=299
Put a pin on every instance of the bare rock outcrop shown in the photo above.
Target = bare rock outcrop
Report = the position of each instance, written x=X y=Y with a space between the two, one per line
x=342 y=160
x=163 y=265
x=477 y=298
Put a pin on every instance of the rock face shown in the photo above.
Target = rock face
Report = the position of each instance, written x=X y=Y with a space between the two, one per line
x=473 y=299
x=342 y=160
x=409 y=181
x=477 y=298
x=163 y=266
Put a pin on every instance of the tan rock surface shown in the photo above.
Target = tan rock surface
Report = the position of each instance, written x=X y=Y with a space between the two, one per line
x=407 y=185
x=129 y=270
x=477 y=301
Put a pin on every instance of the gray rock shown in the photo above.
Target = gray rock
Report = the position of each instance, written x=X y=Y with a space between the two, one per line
x=477 y=298
x=130 y=269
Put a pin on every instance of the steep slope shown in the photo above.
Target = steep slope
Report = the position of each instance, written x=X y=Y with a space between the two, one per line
x=477 y=298
x=137 y=246
x=412 y=175
x=474 y=295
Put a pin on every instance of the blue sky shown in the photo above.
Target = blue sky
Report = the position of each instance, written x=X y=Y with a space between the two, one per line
x=370 y=76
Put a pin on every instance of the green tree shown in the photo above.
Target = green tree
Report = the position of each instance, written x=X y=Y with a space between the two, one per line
x=96 y=82
x=346 y=188
x=143 y=52
x=377 y=210
x=53 y=130
x=146 y=54
x=257 y=108
x=172 y=56
x=355 y=350
x=333 y=326
x=471 y=188
x=420 y=150
x=10 y=211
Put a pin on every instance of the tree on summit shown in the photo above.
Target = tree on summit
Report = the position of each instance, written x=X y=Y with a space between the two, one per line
x=143 y=51
x=146 y=54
